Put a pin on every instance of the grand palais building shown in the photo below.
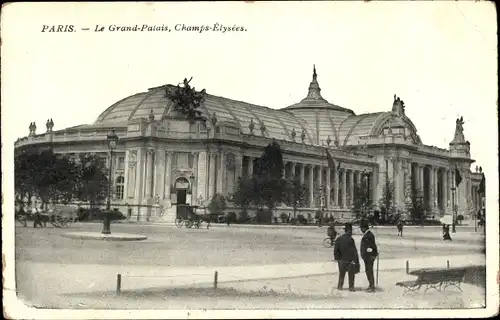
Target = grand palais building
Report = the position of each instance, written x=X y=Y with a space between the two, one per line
x=163 y=160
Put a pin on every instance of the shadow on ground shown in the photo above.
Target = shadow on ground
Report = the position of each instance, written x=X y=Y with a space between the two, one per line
x=208 y=292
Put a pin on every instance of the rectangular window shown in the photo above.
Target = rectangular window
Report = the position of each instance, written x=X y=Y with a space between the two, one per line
x=103 y=161
x=182 y=160
x=121 y=163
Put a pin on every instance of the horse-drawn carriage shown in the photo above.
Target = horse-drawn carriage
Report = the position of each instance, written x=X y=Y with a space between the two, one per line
x=61 y=216
x=189 y=216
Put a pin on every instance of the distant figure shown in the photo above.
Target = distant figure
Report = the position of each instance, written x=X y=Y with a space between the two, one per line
x=346 y=255
x=37 y=218
x=332 y=233
x=446 y=233
x=400 y=228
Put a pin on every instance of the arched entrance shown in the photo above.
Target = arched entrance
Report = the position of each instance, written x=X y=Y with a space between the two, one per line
x=181 y=188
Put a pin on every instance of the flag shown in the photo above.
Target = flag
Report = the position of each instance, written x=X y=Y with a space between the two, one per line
x=482 y=185
x=331 y=163
x=458 y=177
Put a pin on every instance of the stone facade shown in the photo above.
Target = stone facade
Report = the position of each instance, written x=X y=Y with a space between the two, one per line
x=163 y=159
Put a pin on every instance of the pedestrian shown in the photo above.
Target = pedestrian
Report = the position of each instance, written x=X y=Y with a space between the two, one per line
x=446 y=233
x=369 y=252
x=332 y=233
x=37 y=218
x=400 y=228
x=346 y=255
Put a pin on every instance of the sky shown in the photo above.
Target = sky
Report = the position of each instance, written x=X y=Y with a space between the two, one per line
x=439 y=57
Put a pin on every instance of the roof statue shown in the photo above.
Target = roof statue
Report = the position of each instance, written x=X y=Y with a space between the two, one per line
x=459 y=131
x=32 y=128
x=49 y=125
x=398 y=106
x=251 y=126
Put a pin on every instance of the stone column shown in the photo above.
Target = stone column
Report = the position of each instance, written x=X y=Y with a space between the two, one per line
x=336 y=187
x=239 y=166
x=125 y=176
x=211 y=174
x=168 y=174
x=319 y=180
x=328 y=195
x=139 y=179
x=421 y=179
x=202 y=175
x=160 y=174
x=373 y=186
x=220 y=172
x=250 y=166
x=301 y=174
x=194 y=187
x=344 y=188
x=292 y=175
x=351 y=187
x=397 y=183
x=149 y=173
x=390 y=169
x=450 y=185
x=311 y=186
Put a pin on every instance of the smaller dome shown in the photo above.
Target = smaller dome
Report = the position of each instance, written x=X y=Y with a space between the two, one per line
x=314 y=100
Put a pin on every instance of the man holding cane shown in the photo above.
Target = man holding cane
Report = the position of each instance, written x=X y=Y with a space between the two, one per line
x=369 y=253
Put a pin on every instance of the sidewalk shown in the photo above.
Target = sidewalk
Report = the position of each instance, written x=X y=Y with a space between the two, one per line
x=289 y=285
x=89 y=278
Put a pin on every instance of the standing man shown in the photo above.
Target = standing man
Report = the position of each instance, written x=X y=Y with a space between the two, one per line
x=346 y=255
x=400 y=228
x=369 y=252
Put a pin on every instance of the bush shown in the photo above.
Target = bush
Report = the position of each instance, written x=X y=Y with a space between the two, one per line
x=301 y=219
x=264 y=216
x=284 y=217
x=243 y=217
x=217 y=204
x=231 y=217
x=460 y=217
x=317 y=214
x=98 y=214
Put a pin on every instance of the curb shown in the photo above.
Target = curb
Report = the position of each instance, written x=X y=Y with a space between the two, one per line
x=100 y=236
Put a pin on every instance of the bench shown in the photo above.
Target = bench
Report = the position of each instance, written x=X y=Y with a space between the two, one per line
x=438 y=279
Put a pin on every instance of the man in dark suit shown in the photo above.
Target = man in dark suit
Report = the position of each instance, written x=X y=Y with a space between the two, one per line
x=369 y=252
x=346 y=255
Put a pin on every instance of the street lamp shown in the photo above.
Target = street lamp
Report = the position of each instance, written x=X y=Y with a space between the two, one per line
x=112 y=140
x=454 y=208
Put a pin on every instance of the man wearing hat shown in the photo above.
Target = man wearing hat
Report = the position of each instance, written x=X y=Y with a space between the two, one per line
x=346 y=255
x=369 y=252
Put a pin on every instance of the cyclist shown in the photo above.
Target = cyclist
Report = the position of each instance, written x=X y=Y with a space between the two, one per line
x=331 y=232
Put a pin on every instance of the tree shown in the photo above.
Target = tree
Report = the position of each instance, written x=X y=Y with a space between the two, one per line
x=414 y=204
x=92 y=180
x=217 y=204
x=25 y=168
x=244 y=193
x=362 y=203
x=269 y=183
x=296 y=195
x=386 y=202
x=186 y=100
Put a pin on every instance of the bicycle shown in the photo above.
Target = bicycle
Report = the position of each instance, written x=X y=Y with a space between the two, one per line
x=328 y=243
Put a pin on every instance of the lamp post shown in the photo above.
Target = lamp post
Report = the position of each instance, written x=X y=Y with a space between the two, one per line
x=112 y=140
x=454 y=209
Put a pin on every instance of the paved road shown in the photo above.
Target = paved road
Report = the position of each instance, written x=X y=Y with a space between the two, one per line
x=52 y=268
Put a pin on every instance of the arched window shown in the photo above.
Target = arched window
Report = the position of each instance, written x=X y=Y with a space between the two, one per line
x=119 y=187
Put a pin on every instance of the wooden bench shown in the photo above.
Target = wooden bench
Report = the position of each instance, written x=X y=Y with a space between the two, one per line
x=438 y=279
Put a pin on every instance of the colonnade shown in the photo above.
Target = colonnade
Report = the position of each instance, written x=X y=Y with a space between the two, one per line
x=338 y=185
